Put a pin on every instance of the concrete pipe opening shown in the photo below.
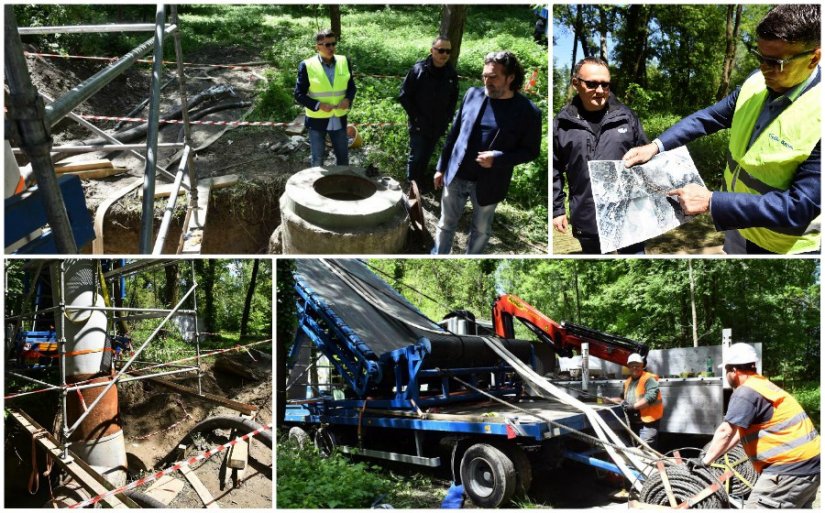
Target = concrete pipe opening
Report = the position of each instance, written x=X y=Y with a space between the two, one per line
x=344 y=187
x=341 y=210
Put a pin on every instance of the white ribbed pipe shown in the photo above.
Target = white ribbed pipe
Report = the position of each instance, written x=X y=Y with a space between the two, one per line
x=101 y=445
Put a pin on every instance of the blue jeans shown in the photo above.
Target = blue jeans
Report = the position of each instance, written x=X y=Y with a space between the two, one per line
x=340 y=146
x=453 y=200
x=421 y=149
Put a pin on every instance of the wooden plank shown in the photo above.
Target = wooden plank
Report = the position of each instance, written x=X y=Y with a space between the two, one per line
x=218 y=182
x=246 y=409
x=201 y=490
x=77 y=468
x=83 y=165
x=94 y=174
x=165 y=489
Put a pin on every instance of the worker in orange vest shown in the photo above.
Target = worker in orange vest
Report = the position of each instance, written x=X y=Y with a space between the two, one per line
x=775 y=431
x=642 y=400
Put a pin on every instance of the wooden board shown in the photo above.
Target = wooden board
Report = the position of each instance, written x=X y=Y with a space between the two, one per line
x=95 y=174
x=66 y=167
x=165 y=489
x=201 y=490
x=218 y=182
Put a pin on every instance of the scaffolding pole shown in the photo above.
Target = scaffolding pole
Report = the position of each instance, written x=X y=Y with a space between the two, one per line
x=170 y=204
x=28 y=116
x=187 y=127
x=88 y=29
x=148 y=214
x=197 y=333
x=123 y=369
x=81 y=92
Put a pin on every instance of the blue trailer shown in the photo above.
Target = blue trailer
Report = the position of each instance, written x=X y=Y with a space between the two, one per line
x=400 y=387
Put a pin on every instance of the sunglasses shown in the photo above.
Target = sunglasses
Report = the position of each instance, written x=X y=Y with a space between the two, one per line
x=442 y=51
x=329 y=45
x=776 y=63
x=594 y=84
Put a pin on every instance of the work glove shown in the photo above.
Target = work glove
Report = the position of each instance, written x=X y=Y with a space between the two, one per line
x=627 y=407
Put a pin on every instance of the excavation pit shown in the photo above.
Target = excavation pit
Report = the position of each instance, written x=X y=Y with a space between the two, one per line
x=340 y=210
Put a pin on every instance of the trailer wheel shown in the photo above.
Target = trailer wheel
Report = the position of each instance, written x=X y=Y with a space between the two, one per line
x=326 y=442
x=298 y=436
x=488 y=475
x=524 y=469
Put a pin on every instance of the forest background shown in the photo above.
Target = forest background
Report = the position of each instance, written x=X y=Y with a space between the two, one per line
x=666 y=61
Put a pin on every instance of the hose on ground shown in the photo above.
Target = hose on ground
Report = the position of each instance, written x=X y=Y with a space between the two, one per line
x=243 y=426
x=144 y=500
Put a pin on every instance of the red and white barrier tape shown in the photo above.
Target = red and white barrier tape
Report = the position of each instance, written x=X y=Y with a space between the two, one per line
x=215 y=123
x=174 y=468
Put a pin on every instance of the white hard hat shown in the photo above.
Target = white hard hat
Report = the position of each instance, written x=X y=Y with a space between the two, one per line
x=739 y=354
x=635 y=357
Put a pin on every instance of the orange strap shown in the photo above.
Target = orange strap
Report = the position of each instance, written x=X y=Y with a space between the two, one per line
x=82 y=352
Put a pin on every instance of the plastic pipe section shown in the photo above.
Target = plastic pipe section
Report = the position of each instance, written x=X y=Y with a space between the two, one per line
x=99 y=438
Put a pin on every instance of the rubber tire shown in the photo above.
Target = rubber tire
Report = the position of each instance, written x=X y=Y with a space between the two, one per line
x=488 y=476
x=524 y=469
x=326 y=442
x=299 y=437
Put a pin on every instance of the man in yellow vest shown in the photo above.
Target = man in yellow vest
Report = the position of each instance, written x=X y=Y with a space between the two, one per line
x=326 y=89
x=771 y=201
x=642 y=400
x=775 y=432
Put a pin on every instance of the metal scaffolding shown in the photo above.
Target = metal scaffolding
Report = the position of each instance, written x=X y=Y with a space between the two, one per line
x=31 y=120
x=62 y=309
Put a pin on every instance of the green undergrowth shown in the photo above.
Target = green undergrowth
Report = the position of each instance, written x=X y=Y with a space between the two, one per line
x=307 y=480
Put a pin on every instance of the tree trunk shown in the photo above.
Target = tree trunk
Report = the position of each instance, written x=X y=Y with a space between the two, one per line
x=693 y=304
x=604 y=23
x=207 y=284
x=170 y=290
x=453 y=18
x=335 y=20
x=731 y=33
x=250 y=292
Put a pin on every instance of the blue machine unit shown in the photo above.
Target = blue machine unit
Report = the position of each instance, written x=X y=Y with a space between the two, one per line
x=25 y=213
x=391 y=391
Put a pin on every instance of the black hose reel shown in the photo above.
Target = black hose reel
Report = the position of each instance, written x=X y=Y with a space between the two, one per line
x=732 y=475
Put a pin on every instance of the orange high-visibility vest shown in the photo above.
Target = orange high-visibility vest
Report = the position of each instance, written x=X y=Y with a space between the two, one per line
x=788 y=437
x=651 y=412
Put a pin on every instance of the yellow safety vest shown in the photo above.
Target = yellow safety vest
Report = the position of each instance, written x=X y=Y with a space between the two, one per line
x=651 y=412
x=788 y=437
x=320 y=89
x=771 y=162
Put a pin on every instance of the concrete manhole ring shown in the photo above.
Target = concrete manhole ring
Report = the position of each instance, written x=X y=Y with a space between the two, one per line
x=340 y=197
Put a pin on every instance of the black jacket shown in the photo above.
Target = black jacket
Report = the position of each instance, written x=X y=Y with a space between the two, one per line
x=574 y=144
x=429 y=95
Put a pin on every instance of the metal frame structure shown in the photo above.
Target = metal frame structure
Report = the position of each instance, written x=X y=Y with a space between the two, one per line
x=31 y=120
x=63 y=308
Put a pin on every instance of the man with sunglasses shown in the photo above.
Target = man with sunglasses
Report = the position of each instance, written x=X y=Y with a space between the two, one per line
x=775 y=432
x=326 y=89
x=495 y=129
x=595 y=125
x=773 y=179
x=429 y=94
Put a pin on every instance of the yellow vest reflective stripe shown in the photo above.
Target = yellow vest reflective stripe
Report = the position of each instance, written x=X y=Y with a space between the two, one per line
x=651 y=412
x=788 y=437
x=320 y=89
x=770 y=164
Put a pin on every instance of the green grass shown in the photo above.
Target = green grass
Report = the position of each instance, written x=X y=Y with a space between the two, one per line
x=283 y=35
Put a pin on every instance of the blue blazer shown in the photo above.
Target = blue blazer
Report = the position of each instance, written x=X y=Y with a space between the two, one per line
x=518 y=141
